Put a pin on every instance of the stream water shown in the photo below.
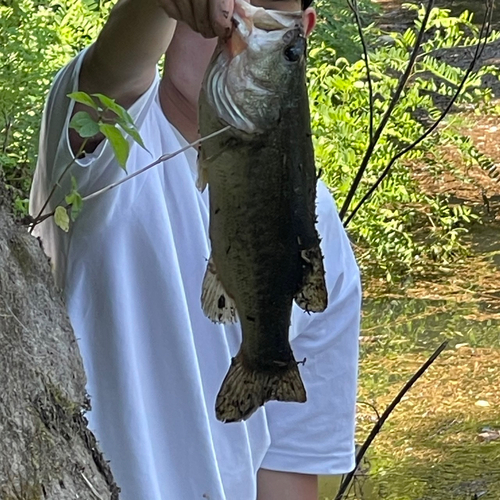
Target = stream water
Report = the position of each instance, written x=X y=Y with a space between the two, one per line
x=431 y=449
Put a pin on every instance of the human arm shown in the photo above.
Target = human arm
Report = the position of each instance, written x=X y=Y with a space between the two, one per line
x=122 y=62
x=275 y=485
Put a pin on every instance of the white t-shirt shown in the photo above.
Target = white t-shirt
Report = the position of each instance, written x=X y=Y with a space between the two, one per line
x=132 y=266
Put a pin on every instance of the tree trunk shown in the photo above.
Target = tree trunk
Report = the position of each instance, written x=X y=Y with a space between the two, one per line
x=46 y=449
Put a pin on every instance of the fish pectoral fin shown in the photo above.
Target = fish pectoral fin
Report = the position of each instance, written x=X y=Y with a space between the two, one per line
x=216 y=303
x=313 y=295
x=245 y=390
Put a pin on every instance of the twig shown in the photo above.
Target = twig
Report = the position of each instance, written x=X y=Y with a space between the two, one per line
x=378 y=426
x=161 y=159
x=353 y=5
x=105 y=189
x=373 y=407
x=395 y=99
x=479 y=49
x=54 y=187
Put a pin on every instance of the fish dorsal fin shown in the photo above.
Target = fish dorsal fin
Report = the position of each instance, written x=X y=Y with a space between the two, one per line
x=313 y=295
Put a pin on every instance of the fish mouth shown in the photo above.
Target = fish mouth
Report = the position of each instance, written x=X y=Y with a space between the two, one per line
x=247 y=18
x=228 y=79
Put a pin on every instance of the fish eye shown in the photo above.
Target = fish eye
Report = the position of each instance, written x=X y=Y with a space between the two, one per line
x=295 y=51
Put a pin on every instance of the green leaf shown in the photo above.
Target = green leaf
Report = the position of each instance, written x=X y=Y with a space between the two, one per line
x=119 y=144
x=74 y=199
x=83 y=98
x=84 y=124
x=133 y=132
x=61 y=218
x=124 y=119
x=112 y=105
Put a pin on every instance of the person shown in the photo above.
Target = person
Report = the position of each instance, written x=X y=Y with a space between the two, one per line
x=132 y=266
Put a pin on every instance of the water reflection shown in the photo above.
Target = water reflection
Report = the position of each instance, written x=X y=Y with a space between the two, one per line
x=412 y=325
x=440 y=456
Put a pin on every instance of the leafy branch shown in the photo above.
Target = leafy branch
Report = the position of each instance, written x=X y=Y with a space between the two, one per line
x=161 y=159
x=87 y=127
x=109 y=115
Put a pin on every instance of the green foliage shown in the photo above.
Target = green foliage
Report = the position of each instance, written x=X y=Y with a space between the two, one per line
x=401 y=229
x=36 y=39
x=109 y=114
x=337 y=31
x=110 y=120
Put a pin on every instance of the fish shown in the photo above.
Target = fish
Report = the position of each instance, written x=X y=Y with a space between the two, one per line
x=261 y=179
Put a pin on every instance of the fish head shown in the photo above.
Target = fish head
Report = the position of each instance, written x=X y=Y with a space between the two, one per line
x=255 y=72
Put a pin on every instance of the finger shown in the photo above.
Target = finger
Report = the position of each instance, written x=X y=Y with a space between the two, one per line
x=202 y=19
x=221 y=13
x=181 y=10
x=172 y=11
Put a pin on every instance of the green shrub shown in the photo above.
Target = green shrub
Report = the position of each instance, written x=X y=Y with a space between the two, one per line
x=400 y=229
x=36 y=39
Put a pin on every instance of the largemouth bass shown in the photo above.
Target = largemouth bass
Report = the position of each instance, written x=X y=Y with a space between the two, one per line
x=262 y=191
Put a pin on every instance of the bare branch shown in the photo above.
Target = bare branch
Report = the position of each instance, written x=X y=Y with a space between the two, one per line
x=54 y=187
x=395 y=100
x=35 y=221
x=378 y=426
x=161 y=159
x=477 y=55
x=354 y=6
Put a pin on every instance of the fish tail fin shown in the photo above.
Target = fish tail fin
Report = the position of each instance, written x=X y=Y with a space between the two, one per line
x=244 y=390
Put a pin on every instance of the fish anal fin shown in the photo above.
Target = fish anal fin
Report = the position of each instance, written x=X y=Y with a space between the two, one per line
x=245 y=390
x=216 y=303
x=312 y=295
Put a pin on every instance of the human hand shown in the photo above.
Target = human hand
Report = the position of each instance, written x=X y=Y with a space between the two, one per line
x=211 y=18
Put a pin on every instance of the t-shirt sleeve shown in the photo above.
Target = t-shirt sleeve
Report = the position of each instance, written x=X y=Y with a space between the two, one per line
x=317 y=437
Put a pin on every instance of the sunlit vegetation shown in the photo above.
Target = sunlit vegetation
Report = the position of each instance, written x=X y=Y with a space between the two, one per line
x=420 y=233
x=402 y=231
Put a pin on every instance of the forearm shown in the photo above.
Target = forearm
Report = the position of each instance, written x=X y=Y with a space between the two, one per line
x=122 y=62
x=274 y=485
x=182 y=82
